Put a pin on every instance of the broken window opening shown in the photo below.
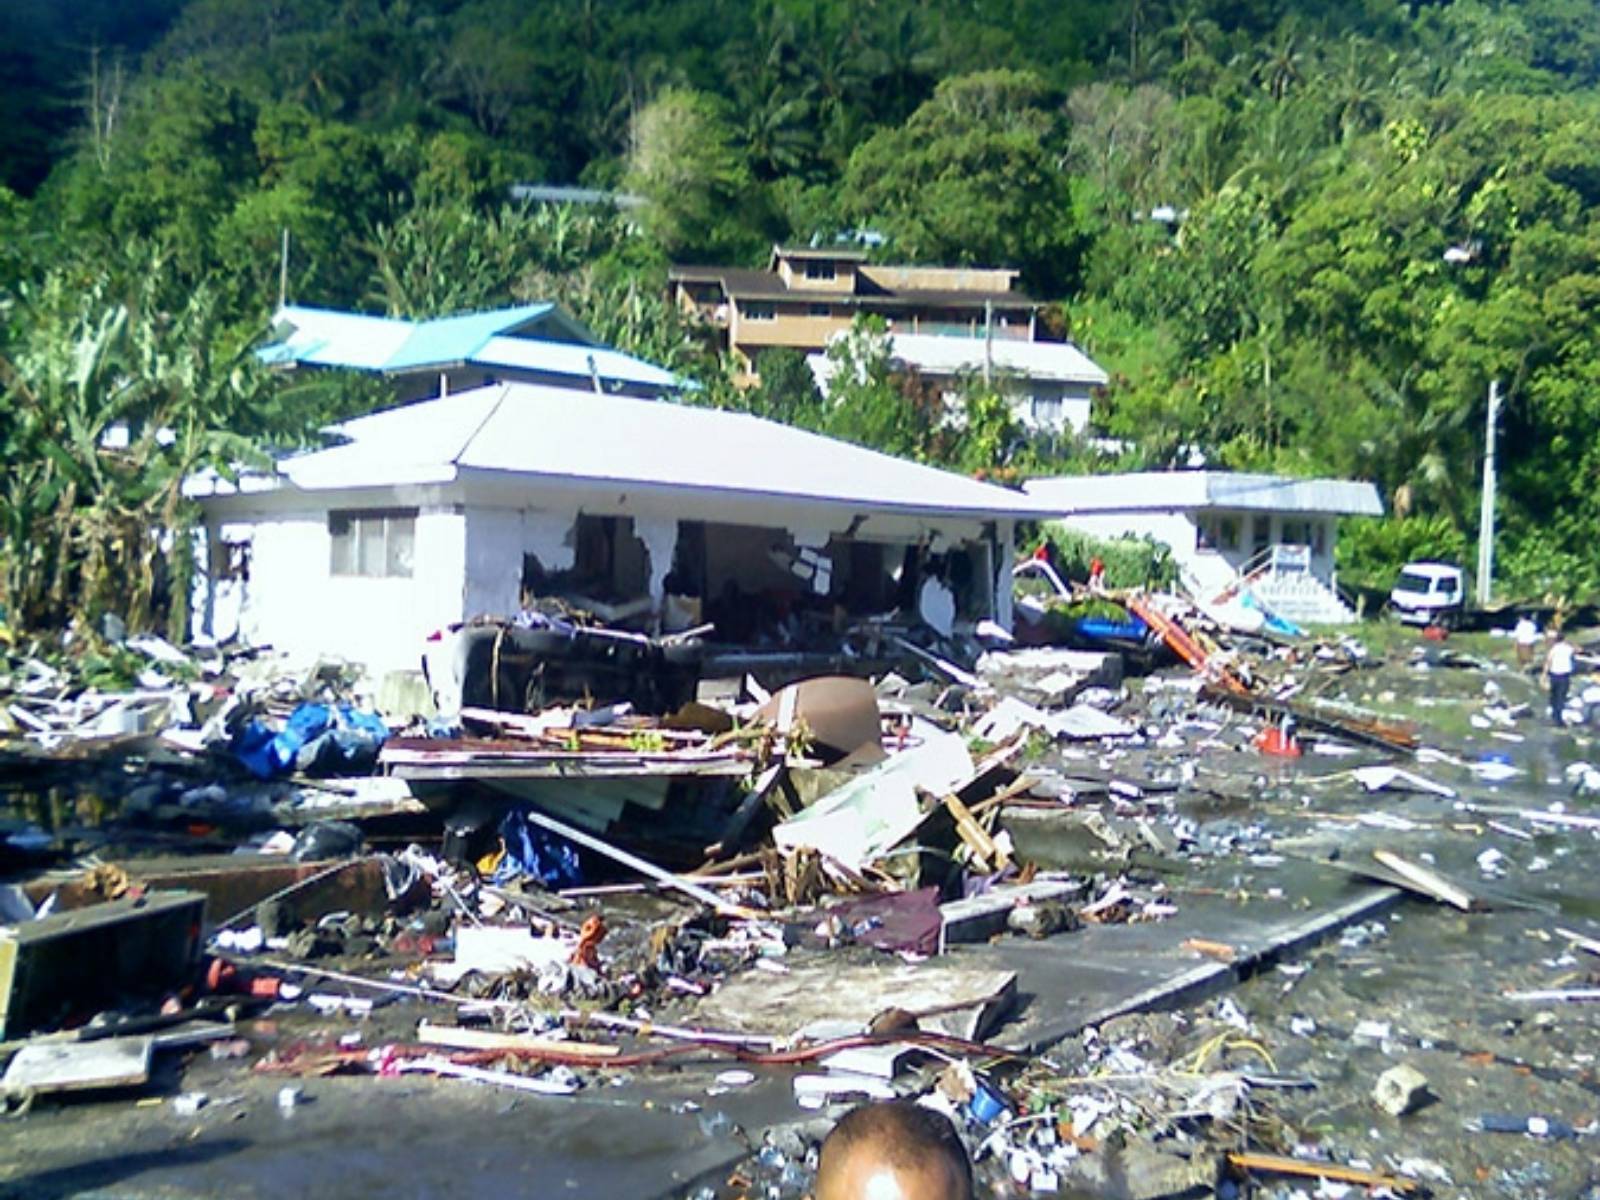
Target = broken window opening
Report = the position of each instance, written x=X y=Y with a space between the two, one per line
x=230 y=559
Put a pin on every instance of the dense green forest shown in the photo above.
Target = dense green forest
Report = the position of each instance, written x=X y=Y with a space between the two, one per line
x=1301 y=236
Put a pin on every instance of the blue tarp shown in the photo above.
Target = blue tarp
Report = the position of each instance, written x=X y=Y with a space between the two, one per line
x=1098 y=629
x=317 y=739
x=536 y=853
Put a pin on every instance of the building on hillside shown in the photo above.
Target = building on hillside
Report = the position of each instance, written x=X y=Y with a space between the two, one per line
x=806 y=296
x=438 y=511
x=529 y=343
x=583 y=197
x=1275 y=533
x=1051 y=385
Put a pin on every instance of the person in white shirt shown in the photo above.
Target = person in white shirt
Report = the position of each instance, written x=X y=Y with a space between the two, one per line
x=1558 y=664
x=1526 y=637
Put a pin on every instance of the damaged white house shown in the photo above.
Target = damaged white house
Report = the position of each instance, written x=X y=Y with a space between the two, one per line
x=1050 y=385
x=1274 y=532
x=472 y=504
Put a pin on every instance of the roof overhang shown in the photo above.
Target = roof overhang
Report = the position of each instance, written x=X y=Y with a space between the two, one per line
x=1199 y=491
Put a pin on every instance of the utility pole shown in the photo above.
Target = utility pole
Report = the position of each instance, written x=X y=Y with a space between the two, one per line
x=988 y=345
x=283 y=270
x=1486 y=513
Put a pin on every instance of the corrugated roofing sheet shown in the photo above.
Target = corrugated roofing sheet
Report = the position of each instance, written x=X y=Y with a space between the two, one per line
x=569 y=358
x=1031 y=360
x=458 y=339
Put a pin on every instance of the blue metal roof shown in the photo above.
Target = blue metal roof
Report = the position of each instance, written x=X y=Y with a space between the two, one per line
x=457 y=339
x=551 y=342
x=566 y=358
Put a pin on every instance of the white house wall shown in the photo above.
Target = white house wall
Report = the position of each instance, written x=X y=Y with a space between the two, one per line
x=740 y=535
x=469 y=547
x=293 y=601
x=496 y=540
x=1213 y=567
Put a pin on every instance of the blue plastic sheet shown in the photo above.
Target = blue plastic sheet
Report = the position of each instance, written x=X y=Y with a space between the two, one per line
x=532 y=852
x=1103 y=628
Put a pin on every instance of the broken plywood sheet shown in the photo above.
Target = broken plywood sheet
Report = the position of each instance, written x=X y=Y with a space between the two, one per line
x=87 y=959
x=79 y=1066
x=965 y=1002
x=878 y=808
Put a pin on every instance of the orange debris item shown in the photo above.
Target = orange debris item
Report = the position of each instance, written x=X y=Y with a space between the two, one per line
x=1278 y=742
x=1185 y=646
x=586 y=952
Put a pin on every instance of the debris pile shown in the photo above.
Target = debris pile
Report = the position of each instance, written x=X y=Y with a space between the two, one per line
x=1078 y=909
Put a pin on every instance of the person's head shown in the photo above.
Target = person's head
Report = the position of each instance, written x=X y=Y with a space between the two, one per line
x=895 y=1150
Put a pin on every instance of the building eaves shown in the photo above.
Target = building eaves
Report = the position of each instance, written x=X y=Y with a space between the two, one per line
x=829 y=253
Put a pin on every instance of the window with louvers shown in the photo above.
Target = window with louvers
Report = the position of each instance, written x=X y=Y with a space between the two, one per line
x=373 y=543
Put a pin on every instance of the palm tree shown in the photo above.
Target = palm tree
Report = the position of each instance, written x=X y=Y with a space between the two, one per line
x=1355 y=91
x=776 y=131
x=1192 y=32
x=902 y=62
x=1282 y=66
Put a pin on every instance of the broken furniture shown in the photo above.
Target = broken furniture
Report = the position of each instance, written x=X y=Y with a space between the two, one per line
x=74 y=963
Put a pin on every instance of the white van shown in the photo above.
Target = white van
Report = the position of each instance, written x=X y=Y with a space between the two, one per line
x=1429 y=593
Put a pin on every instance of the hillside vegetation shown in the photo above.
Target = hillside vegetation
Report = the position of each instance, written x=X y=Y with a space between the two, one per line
x=1302 y=237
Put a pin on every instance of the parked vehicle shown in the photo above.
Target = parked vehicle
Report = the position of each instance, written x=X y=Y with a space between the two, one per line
x=1429 y=593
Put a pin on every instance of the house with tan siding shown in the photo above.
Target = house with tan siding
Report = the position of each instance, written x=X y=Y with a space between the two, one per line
x=808 y=295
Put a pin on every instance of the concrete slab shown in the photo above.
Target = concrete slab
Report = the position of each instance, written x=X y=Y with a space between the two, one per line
x=1082 y=978
x=361 y=1137
x=964 y=998
x=79 y=1066
x=981 y=917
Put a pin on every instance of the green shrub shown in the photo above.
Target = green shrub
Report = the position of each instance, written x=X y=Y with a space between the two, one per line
x=1371 y=551
x=1130 y=562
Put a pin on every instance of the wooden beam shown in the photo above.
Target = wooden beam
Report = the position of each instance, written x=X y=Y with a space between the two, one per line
x=1279 y=1164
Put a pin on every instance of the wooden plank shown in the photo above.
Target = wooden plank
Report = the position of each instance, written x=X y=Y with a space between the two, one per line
x=733 y=831
x=1580 y=941
x=1278 y=1164
x=986 y=856
x=1183 y=645
x=460 y=1037
x=666 y=878
x=565 y=766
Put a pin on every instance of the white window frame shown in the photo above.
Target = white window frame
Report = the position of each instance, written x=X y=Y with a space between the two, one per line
x=351 y=530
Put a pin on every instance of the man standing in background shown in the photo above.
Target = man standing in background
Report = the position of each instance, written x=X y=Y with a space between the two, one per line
x=1558 y=663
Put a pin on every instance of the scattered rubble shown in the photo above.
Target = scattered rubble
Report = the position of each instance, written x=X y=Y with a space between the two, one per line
x=1127 y=930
